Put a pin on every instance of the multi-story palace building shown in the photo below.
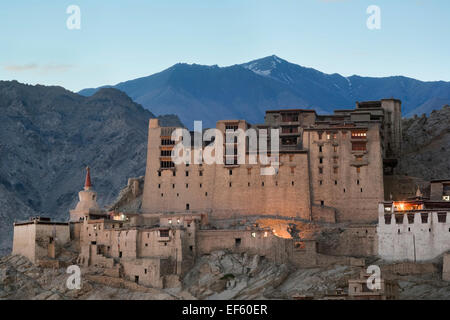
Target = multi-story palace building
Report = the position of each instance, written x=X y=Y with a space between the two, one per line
x=331 y=167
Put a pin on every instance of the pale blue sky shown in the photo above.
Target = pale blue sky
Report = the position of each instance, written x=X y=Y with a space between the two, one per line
x=121 y=40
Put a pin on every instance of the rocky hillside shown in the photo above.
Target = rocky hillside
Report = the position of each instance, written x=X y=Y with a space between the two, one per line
x=219 y=276
x=48 y=135
x=426 y=145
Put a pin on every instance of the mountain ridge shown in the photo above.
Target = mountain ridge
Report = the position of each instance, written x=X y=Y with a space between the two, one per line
x=246 y=91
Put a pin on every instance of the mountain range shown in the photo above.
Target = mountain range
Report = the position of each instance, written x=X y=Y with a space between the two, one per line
x=246 y=91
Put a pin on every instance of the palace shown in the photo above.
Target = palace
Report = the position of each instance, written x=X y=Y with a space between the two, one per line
x=332 y=170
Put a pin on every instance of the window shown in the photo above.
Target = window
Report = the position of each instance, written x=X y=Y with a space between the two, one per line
x=162 y=194
x=442 y=217
x=159 y=186
x=249 y=171
x=206 y=194
x=187 y=206
x=167 y=164
x=200 y=173
x=424 y=216
x=229 y=184
x=322 y=203
x=201 y=185
x=320 y=182
x=360 y=134
x=187 y=185
x=159 y=173
x=164 y=233
x=335 y=148
x=253 y=234
x=358 y=146
x=328 y=136
x=387 y=218
x=262 y=184
x=320 y=170
x=289 y=129
x=320 y=160
x=358 y=169
x=335 y=170
x=335 y=182
x=357 y=181
x=187 y=173
x=320 y=148
x=230 y=172
x=237 y=241
x=173 y=173
x=289 y=117
x=173 y=185
x=334 y=135
x=167 y=142
x=292 y=183
x=248 y=184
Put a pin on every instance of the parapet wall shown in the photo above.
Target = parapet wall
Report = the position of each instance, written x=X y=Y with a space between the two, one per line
x=413 y=236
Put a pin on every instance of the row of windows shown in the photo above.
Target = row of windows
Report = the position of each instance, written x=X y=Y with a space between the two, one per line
x=336 y=182
x=230 y=172
x=336 y=170
x=355 y=134
x=229 y=184
x=167 y=142
x=442 y=218
x=335 y=149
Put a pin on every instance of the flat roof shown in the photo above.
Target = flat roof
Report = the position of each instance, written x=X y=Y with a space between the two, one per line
x=290 y=110
x=22 y=223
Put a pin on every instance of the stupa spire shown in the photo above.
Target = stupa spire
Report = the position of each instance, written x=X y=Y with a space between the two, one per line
x=88 y=184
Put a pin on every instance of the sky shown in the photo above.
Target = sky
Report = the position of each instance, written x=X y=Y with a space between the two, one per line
x=120 y=40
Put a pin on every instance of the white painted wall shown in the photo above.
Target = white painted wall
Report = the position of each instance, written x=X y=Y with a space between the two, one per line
x=412 y=242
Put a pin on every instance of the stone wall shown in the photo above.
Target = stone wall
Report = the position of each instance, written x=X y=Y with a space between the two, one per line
x=446 y=268
x=356 y=240
x=39 y=240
